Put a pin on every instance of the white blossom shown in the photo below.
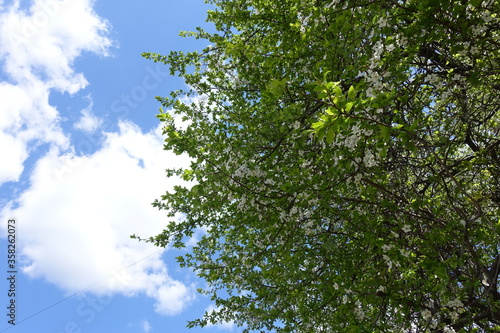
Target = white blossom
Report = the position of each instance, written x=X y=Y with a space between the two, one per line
x=478 y=29
x=456 y=303
x=390 y=47
x=358 y=311
x=487 y=3
x=386 y=247
x=403 y=41
x=388 y=261
x=357 y=178
x=433 y=79
x=404 y=253
x=426 y=314
x=486 y=17
x=368 y=132
x=369 y=160
x=333 y=3
x=382 y=22
x=448 y=329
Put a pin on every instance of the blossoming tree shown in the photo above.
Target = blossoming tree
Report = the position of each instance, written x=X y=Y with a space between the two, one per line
x=345 y=164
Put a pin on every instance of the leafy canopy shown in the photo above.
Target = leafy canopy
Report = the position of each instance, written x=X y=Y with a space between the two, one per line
x=345 y=162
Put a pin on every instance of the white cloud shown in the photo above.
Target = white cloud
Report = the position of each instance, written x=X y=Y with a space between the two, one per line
x=172 y=298
x=39 y=46
x=88 y=122
x=78 y=214
x=26 y=121
x=146 y=326
x=43 y=41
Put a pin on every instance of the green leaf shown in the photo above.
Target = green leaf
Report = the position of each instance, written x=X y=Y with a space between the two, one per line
x=351 y=94
x=330 y=135
x=317 y=125
x=349 y=106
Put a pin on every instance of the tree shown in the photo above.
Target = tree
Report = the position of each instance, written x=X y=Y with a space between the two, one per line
x=345 y=162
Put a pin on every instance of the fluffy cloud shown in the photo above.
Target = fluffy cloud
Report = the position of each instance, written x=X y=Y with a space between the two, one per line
x=88 y=122
x=78 y=214
x=43 y=41
x=39 y=46
x=172 y=298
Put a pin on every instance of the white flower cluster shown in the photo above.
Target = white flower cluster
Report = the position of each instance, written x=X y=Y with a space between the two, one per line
x=454 y=315
x=358 y=311
x=487 y=17
x=402 y=40
x=357 y=178
x=478 y=30
x=386 y=247
x=404 y=253
x=309 y=228
x=269 y=181
x=406 y=228
x=332 y=4
x=240 y=82
x=241 y=171
x=244 y=171
x=388 y=261
x=455 y=304
x=487 y=3
x=474 y=50
x=382 y=22
x=426 y=314
x=242 y=204
x=305 y=20
x=369 y=159
x=375 y=81
x=349 y=141
x=434 y=80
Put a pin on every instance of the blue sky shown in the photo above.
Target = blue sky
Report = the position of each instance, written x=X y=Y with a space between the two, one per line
x=81 y=160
